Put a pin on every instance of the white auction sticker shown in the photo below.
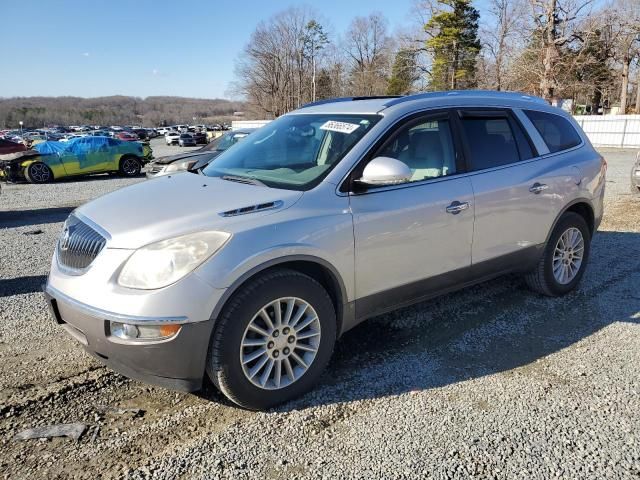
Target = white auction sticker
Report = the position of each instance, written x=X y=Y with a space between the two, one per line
x=341 y=127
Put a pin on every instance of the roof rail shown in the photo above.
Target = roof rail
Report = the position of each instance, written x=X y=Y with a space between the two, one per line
x=467 y=93
x=348 y=99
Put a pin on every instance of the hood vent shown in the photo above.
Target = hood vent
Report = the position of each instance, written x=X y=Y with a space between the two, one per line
x=252 y=209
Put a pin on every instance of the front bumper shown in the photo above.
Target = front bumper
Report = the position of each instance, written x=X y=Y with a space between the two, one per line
x=84 y=305
x=177 y=363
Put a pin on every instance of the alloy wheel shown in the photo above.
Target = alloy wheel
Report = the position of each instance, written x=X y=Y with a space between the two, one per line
x=130 y=166
x=280 y=343
x=39 y=172
x=567 y=256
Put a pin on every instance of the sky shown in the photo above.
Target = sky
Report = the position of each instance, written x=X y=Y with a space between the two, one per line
x=143 y=48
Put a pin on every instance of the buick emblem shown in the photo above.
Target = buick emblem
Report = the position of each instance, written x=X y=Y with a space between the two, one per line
x=64 y=239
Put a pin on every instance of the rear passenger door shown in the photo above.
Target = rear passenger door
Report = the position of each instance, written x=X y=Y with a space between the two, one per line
x=517 y=194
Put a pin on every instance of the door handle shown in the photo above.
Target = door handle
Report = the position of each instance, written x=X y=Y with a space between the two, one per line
x=538 y=187
x=456 y=207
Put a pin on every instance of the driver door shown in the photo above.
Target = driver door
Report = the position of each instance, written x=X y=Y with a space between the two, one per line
x=409 y=241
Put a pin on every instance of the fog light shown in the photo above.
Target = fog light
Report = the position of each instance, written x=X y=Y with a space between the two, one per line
x=127 y=331
x=124 y=330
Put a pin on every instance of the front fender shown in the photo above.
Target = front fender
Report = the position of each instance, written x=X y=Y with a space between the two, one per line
x=228 y=277
x=264 y=264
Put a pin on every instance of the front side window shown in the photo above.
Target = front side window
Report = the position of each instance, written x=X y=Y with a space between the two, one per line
x=490 y=141
x=425 y=147
x=556 y=131
x=293 y=152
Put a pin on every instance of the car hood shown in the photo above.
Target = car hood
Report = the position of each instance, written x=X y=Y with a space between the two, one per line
x=173 y=205
x=179 y=156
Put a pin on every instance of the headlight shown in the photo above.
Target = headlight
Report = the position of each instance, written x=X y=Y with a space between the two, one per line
x=163 y=263
x=179 y=166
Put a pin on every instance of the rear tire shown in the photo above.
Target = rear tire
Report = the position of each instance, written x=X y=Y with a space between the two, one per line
x=130 y=166
x=564 y=259
x=38 y=172
x=236 y=349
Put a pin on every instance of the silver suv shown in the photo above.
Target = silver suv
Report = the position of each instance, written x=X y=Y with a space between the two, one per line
x=341 y=210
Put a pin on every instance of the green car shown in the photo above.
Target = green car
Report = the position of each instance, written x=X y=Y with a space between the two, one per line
x=82 y=156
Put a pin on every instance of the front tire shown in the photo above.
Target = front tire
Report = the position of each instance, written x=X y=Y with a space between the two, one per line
x=564 y=259
x=38 y=172
x=273 y=340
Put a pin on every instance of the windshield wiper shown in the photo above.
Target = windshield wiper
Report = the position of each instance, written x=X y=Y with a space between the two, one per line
x=239 y=179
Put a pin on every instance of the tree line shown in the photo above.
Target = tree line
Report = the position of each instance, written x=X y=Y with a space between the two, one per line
x=573 y=50
x=114 y=110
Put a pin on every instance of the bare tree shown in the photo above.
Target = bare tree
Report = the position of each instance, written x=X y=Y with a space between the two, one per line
x=502 y=37
x=368 y=48
x=274 y=71
x=626 y=27
x=555 y=21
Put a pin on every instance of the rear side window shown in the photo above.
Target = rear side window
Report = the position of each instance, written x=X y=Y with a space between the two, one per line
x=490 y=140
x=556 y=131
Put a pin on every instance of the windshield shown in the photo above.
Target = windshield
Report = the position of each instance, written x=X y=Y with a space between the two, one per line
x=295 y=151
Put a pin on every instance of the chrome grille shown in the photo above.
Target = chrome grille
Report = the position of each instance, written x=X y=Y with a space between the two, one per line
x=78 y=245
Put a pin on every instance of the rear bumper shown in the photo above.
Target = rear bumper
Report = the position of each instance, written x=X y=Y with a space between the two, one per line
x=177 y=363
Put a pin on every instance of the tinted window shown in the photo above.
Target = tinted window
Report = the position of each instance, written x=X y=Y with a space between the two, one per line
x=426 y=147
x=491 y=142
x=556 y=131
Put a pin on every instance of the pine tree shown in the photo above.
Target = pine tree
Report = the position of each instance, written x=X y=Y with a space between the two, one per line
x=454 y=45
x=314 y=40
x=403 y=73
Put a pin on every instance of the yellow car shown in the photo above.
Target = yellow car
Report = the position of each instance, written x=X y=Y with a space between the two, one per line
x=82 y=156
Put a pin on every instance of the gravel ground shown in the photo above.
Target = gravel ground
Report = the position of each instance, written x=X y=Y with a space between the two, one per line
x=491 y=382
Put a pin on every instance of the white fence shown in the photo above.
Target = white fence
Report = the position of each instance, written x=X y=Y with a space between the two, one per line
x=611 y=130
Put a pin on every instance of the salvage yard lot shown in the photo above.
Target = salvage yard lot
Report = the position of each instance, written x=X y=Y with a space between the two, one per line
x=492 y=381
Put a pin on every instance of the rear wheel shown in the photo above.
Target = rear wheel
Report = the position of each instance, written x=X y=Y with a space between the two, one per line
x=130 y=167
x=38 y=172
x=565 y=257
x=273 y=340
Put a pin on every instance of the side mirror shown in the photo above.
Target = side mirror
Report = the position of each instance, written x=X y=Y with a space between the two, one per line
x=385 y=171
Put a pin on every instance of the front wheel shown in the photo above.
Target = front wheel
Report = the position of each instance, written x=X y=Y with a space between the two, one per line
x=273 y=340
x=39 y=172
x=130 y=167
x=564 y=259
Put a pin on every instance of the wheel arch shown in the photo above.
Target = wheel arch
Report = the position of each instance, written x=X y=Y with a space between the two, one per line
x=317 y=268
x=581 y=206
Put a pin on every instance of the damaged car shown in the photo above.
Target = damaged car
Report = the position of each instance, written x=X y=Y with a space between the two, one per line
x=50 y=161
x=196 y=159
